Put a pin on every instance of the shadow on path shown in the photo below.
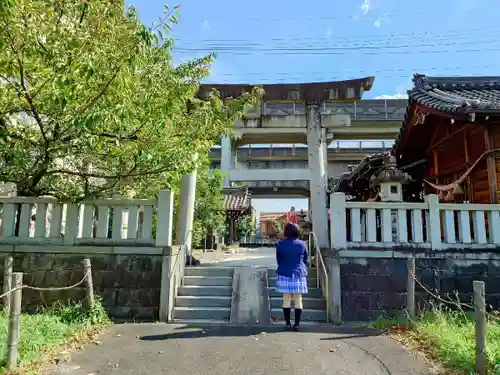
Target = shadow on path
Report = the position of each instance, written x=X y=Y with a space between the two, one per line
x=194 y=331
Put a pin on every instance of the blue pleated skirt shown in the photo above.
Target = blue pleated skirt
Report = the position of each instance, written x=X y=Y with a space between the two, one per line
x=291 y=284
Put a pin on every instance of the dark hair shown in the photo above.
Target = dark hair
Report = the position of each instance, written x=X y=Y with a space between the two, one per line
x=292 y=231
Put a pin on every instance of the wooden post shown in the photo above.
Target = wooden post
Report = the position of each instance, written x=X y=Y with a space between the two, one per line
x=14 y=321
x=7 y=281
x=89 y=285
x=480 y=312
x=410 y=288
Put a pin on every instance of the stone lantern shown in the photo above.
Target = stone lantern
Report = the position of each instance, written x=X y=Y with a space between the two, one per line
x=390 y=181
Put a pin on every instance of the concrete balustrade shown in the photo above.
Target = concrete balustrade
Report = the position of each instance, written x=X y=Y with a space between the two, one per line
x=104 y=221
x=429 y=225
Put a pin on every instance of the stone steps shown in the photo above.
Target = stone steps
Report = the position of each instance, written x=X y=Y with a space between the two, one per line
x=203 y=301
x=314 y=303
x=202 y=313
x=205 y=295
x=307 y=315
x=271 y=273
x=313 y=293
x=208 y=281
x=209 y=271
x=311 y=282
x=309 y=303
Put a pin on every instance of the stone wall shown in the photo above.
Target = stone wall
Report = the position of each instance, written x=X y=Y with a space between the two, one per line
x=375 y=285
x=129 y=284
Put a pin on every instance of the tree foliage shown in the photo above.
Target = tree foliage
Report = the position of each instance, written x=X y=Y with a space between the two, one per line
x=245 y=225
x=277 y=226
x=209 y=213
x=91 y=103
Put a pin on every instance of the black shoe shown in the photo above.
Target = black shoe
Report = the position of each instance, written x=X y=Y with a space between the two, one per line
x=298 y=313
x=287 y=313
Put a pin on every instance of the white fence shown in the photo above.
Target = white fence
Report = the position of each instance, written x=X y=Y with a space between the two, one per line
x=99 y=222
x=430 y=225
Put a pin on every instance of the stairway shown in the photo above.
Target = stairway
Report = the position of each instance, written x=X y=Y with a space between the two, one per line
x=205 y=295
x=314 y=303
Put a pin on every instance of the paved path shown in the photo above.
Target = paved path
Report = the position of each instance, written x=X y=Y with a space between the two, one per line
x=154 y=349
x=250 y=257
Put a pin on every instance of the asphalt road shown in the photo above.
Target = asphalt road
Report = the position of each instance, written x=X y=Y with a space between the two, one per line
x=154 y=349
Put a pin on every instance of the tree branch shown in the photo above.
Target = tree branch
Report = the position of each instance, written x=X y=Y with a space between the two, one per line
x=84 y=10
x=26 y=95
x=110 y=177
x=131 y=137
x=102 y=92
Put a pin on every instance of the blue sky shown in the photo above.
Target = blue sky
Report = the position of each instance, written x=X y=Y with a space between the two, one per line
x=316 y=40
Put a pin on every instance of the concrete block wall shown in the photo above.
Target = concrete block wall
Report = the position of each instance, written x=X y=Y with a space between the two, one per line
x=129 y=284
x=376 y=286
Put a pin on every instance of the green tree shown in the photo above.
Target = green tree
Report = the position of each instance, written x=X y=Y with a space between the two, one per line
x=91 y=103
x=245 y=225
x=276 y=227
x=209 y=213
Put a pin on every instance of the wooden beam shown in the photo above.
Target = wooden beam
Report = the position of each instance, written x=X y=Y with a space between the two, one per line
x=491 y=167
x=448 y=173
x=434 y=135
x=470 y=188
x=436 y=165
x=456 y=132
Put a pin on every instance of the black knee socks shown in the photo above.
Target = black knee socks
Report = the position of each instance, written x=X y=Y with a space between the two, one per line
x=298 y=313
x=286 y=313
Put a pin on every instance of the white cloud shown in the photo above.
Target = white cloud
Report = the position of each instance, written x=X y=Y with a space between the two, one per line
x=395 y=96
x=205 y=25
x=365 y=7
x=328 y=33
x=377 y=22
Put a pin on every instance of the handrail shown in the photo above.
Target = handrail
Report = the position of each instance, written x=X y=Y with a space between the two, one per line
x=321 y=264
x=182 y=251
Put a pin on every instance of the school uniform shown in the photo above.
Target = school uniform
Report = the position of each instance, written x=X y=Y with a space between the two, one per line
x=291 y=256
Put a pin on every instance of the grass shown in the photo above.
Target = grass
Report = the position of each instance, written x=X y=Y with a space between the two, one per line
x=449 y=337
x=45 y=335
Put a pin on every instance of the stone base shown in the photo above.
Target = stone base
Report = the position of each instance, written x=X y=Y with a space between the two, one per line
x=129 y=285
x=376 y=287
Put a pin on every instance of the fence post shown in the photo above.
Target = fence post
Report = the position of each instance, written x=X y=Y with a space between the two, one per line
x=164 y=218
x=187 y=200
x=410 y=288
x=7 y=281
x=89 y=285
x=480 y=312
x=434 y=224
x=14 y=321
x=338 y=221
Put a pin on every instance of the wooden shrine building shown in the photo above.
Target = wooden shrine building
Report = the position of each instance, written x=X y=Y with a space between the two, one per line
x=449 y=141
x=237 y=202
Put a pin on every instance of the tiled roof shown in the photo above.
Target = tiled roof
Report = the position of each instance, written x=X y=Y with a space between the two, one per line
x=365 y=169
x=461 y=95
x=236 y=199
x=457 y=94
x=270 y=216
